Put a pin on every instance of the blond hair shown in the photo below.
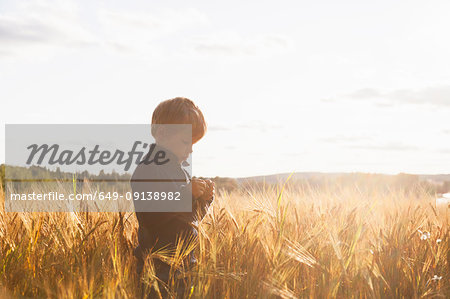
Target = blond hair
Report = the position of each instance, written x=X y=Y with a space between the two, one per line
x=180 y=110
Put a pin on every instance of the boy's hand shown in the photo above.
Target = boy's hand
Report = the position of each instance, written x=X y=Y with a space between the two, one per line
x=198 y=187
x=210 y=191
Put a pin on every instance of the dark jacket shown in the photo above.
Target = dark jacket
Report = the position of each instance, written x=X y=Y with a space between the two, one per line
x=158 y=229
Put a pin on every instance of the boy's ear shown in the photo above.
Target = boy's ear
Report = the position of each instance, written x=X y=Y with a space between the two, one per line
x=160 y=132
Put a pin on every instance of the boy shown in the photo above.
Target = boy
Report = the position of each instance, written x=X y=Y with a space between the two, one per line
x=161 y=229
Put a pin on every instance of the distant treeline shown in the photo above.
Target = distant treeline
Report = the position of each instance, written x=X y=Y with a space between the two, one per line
x=27 y=176
x=365 y=182
x=103 y=180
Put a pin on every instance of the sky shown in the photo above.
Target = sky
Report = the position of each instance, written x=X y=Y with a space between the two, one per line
x=329 y=86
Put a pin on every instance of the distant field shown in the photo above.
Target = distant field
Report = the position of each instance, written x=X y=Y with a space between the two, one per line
x=254 y=243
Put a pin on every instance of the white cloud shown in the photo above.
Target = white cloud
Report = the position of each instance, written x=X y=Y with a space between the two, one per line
x=443 y=151
x=435 y=95
x=366 y=93
x=389 y=146
x=231 y=44
x=344 y=139
x=219 y=128
x=39 y=28
x=262 y=126
x=140 y=32
x=249 y=125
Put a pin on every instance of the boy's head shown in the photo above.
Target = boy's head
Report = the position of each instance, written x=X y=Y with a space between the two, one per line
x=178 y=111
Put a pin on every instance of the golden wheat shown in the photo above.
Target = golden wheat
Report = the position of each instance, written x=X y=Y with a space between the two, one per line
x=254 y=243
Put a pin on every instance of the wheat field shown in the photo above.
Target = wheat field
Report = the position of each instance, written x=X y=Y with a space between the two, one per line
x=271 y=242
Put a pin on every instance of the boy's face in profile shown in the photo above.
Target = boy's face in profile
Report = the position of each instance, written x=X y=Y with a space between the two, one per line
x=177 y=141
